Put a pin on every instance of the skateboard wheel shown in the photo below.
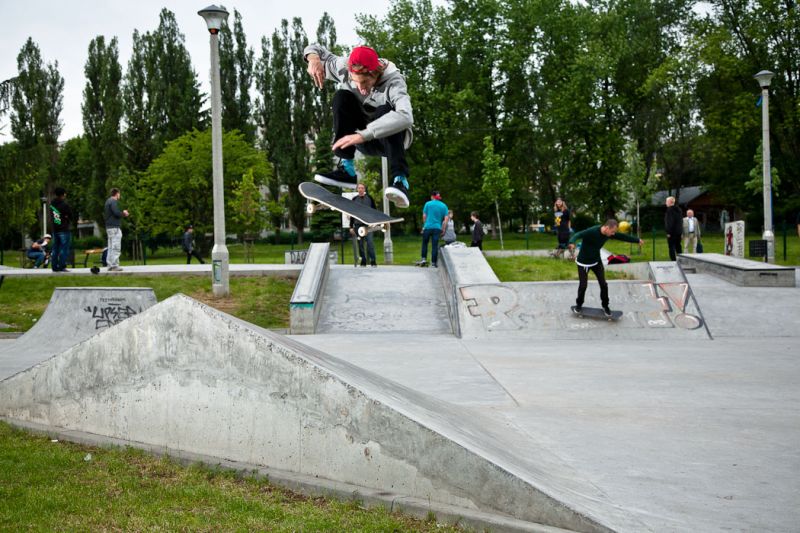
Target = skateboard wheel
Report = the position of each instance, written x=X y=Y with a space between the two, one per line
x=362 y=231
x=310 y=209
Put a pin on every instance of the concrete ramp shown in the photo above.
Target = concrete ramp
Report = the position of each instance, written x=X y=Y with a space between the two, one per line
x=542 y=311
x=73 y=315
x=382 y=300
x=185 y=377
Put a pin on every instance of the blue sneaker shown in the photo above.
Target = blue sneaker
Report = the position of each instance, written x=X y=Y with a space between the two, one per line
x=398 y=192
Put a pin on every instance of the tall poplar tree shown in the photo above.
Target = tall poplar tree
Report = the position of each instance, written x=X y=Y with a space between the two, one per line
x=102 y=114
x=172 y=87
x=285 y=113
x=236 y=78
x=138 y=136
x=36 y=113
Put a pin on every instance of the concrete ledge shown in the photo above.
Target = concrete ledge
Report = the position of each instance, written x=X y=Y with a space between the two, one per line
x=304 y=306
x=462 y=266
x=742 y=272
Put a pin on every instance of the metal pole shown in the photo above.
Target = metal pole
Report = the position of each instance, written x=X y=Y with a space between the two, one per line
x=768 y=236
x=388 y=247
x=44 y=216
x=654 y=243
x=220 y=258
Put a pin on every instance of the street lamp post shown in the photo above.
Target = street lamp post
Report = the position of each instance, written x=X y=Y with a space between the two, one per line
x=44 y=215
x=214 y=17
x=388 y=248
x=764 y=77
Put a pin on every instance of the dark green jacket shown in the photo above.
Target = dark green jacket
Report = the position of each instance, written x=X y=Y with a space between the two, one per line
x=592 y=241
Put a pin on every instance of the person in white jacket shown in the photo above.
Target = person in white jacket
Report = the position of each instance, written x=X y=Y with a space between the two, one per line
x=372 y=113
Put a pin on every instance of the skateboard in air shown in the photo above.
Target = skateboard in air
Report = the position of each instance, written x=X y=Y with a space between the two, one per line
x=593 y=312
x=322 y=198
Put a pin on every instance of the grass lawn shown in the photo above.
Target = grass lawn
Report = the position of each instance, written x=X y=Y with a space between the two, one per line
x=51 y=486
x=263 y=300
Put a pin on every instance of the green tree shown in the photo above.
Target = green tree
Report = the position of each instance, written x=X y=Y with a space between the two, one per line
x=138 y=136
x=236 y=75
x=247 y=218
x=35 y=119
x=102 y=113
x=496 y=184
x=19 y=188
x=173 y=90
x=285 y=113
x=74 y=170
x=176 y=188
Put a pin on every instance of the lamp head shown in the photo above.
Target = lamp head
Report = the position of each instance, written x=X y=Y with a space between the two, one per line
x=764 y=77
x=214 y=17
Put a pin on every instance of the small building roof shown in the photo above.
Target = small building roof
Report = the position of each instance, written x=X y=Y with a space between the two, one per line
x=685 y=195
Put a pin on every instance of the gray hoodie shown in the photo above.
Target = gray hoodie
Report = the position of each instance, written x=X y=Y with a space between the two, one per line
x=391 y=88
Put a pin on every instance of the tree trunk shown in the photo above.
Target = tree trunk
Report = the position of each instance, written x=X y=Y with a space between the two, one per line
x=499 y=224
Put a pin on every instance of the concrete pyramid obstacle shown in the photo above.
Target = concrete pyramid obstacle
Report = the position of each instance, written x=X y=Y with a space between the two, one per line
x=188 y=378
x=73 y=315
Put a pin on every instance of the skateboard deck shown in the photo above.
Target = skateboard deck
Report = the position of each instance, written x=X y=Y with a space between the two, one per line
x=371 y=218
x=593 y=312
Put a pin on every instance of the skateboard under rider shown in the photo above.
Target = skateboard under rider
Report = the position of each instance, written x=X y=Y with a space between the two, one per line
x=593 y=312
x=322 y=198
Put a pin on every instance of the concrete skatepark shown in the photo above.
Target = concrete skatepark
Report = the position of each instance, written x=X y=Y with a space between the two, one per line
x=449 y=391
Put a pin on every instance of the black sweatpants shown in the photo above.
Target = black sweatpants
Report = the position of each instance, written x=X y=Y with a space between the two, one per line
x=583 y=282
x=674 y=244
x=349 y=115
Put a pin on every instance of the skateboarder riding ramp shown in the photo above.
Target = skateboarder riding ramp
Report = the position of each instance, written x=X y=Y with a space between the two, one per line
x=73 y=315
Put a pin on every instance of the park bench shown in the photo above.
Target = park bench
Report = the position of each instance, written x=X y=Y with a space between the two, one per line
x=90 y=252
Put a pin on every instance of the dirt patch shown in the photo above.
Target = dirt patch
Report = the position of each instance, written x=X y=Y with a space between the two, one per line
x=226 y=305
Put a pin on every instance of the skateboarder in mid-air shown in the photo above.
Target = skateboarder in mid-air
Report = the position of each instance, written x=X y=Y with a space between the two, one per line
x=589 y=258
x=371 y=113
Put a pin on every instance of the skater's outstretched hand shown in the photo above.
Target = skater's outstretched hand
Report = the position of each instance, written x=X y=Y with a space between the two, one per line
x=348 y=140
x=316 y=69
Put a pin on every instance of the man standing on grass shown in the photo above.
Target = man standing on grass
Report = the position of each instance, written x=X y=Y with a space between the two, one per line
x=589 y=258
x=61 y=214
x=434 y=224
x=113 y=216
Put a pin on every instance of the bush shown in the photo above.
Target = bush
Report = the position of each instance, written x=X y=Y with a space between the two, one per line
x=86 y=243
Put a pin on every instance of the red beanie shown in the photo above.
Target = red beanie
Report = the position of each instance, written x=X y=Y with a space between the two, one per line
x=364 y=56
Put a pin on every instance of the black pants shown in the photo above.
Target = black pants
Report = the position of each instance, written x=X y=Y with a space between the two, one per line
x=583 y=278
x=349 y=115
x=191 y=254
x=674 y=244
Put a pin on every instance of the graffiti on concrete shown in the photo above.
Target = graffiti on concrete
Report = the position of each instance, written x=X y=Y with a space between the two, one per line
x=109 y=312
x=645 y=305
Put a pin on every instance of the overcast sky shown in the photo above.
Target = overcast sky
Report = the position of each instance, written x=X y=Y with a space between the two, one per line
x=63 y=29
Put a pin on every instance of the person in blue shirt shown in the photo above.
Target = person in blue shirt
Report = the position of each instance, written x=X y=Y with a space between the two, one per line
x=434 y=224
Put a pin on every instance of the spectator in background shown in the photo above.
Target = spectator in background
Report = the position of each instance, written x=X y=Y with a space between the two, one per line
x=188 y=245
x=434 y=223
x=691 y=232
x=673 y=226
x=477 y=231
x=562 y=225
x=38 y=250
x=61 y=214
x=366 y=200
x=113 y=215
x=450 y=231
